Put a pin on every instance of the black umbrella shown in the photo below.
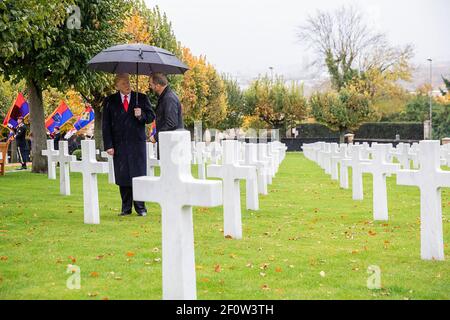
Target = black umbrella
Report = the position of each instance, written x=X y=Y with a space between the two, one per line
x=138 y=59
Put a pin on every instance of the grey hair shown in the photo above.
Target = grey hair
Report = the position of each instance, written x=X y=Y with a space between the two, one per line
x=159 y=78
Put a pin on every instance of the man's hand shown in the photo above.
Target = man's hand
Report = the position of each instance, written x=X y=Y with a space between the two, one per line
x=110 y=152
x=137 y=112
x=152 y=139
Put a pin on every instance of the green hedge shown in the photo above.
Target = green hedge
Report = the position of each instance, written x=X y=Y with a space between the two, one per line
x=370 y=130
x=388 y=130
x=315 y=130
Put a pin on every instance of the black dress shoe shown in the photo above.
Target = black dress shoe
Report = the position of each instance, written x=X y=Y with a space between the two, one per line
x=122 y=214
x=142 y=214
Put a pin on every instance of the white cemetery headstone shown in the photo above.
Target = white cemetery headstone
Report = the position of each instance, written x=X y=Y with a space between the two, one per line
x=64 y=160
x=193 y=152
x=251 y=185
x=177 y=192
x=379 y=168
x=152 y=160
x=273 y=155
x=262 y=156
x=326 y=158
x=52 y=159
x=231 y=173
x=251 y=158
x=216 y=152
x=357 y=175
x=343 y=169
x=402 y=154
x=89 y=167
x=111 y=174
x=200 y=156
x=430 y=179
x=334 y=160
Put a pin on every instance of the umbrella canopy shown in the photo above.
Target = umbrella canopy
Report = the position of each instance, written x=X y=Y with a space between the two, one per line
x=137 y=58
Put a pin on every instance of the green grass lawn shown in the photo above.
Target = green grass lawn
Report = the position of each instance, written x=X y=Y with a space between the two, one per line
x=309 y=240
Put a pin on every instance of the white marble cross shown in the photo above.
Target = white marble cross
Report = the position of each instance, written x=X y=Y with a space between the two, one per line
x=251 y=185
x=111 y=174
x=357 y=176
x=414 y=155
x=334 y=160
x=273 y=154
x=262 y=156
x=380 y=168
x=430 y=179
x=89 y=167
x=64 y=160
x=216 y=152
x=262 y=167
x=52 y=159
x=231 y=173
x=326 y=158
x=402 y=154
x=343 y=169
x=152 y=160
x=177 y=192
x=200 y=156
x=193 y=152
x=282 y=148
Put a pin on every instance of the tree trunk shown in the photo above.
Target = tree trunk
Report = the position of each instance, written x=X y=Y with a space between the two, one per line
x=37 y=127
x=98 y=135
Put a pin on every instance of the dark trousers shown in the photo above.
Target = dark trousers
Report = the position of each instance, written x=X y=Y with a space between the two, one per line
x=22 y=153
x=127 y=201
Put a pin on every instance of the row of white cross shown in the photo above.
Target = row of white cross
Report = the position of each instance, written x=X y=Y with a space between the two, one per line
x=427 y=158
x=177 y=191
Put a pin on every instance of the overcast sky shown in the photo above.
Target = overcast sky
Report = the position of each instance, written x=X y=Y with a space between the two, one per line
x=246 y=37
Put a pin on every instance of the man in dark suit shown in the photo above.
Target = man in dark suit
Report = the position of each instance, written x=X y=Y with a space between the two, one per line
x=22 y=145
x=124 y=138
x=169 y=115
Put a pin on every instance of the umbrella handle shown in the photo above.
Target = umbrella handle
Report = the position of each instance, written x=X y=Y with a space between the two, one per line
x=137 y=82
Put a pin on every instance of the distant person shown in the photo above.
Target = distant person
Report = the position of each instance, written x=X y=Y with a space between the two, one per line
x=169 y=115
x=56 y=138
x=73 y=145
x=22 y=145
x=124 y=138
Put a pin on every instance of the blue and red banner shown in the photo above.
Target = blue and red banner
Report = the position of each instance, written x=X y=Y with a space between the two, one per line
x=85 y=118
x=153 y=129
x=20 y=108
x=59 y=117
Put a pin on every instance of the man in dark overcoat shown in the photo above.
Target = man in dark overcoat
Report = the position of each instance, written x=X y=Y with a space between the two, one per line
x=124 y=138
x=169 y=115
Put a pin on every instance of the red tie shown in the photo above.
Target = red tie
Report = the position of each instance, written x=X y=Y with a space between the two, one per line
x=125 y=103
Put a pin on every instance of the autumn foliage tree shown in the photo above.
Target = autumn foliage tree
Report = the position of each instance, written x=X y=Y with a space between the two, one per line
x=277 y=103
x=202 y=92
x=341 y=111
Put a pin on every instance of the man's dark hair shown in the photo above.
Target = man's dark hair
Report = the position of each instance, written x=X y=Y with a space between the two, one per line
x=159 y=78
